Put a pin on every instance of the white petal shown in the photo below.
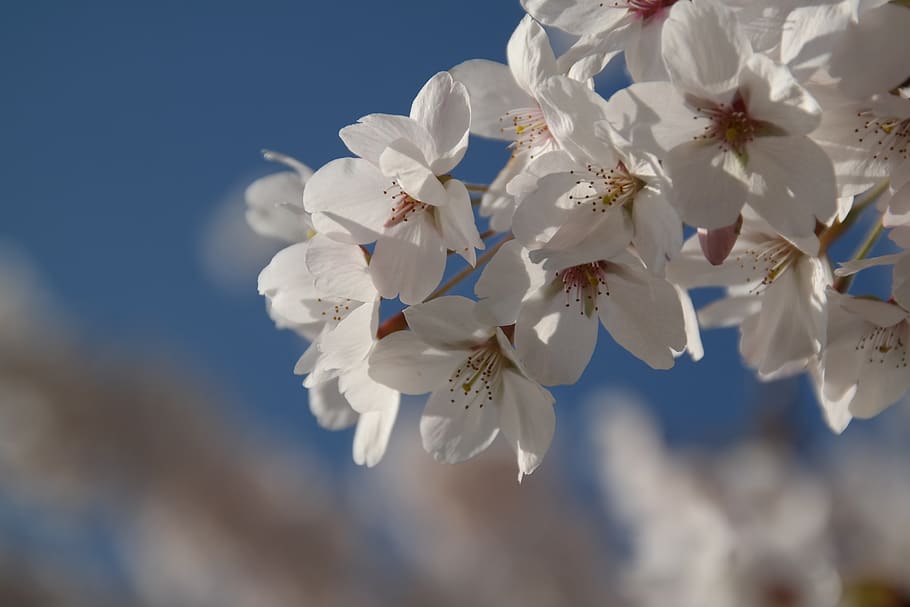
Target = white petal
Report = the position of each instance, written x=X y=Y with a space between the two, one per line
x=644 y=52
x=372 y=135
x=528 y=420
x=792 y=184
x=340 y=269
x=871 y=55
x=879 y=313
x=329 y=407
x=729 y=311
x=448 y=322
x=275 y=206
x=493 y=92
x=540 y=213
x=693 y=336
x=455 y=431
x=658 y=234
x=643 y=314
x=349 y=343
x=773 y=95
x=443 y=109
x=348 y=201
x=372 y=435
x=900 y=283
x=570 y=108
x=530 y=56
x=553 y=336
x=363 y=392
x=456 y=221
x=848 y=268
x=409 y=260
x=709 y=187
x=654 y=115
x=405 y=363
x=704 y=49
x=507 y=278
x=405 y=163
x=575 y=16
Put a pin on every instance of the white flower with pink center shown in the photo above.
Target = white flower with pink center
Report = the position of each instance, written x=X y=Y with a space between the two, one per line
x=507 y=103
x=606 y=29
x=556 y=304
x=776 y=294
x=399 y=193
x=731 y=129
x=478 y=386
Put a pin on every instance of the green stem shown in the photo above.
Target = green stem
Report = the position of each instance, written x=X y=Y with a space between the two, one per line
x=476 y=187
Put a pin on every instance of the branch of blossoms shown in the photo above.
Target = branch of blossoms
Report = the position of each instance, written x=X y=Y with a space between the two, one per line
x=766 y=127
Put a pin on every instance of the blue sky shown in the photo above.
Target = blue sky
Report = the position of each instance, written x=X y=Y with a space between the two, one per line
x=126 y=125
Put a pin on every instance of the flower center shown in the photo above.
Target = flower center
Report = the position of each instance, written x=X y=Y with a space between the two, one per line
x=887 y=138
x=477 y=378
x=604 y=188
x=585 y=283
x=643 y=9
x=529 y=131
x=767 y=260
x=335 y=309
x=731 y=127
x=403 y=205
x=886 y=345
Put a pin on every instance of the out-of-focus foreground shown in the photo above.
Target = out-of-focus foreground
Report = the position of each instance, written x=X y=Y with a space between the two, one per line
x=124 y=484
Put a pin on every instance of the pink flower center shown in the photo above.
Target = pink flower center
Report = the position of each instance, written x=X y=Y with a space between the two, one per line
x=403 y=205
x=731 y=126
x=604 y=188
x=585 y=283
x=529 y=131
x=643 y=9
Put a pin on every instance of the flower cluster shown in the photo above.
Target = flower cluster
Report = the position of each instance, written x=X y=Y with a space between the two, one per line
x=766 y=127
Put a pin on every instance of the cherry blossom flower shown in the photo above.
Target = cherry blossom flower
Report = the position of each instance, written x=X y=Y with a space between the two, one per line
x=506 y=104
x=776 y=294
x=556 y=316
x=864 y=364
x=607 y=28
x=478 y=386
x=732 y=128
x=323 y=289
x=399 y=193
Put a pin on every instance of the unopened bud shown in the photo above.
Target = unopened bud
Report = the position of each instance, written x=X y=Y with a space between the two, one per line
x=716 y=244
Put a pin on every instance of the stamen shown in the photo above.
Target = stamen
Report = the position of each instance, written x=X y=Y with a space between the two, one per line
x=404 y=205
x=769 y=260
x=587 y=282
x=605 y=188
x=528 y=128
x=478 y=377
x=731 y=126
x=887 y=138
x=886 y=345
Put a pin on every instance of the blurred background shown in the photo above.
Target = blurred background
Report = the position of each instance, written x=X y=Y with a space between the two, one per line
x=157 y=450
